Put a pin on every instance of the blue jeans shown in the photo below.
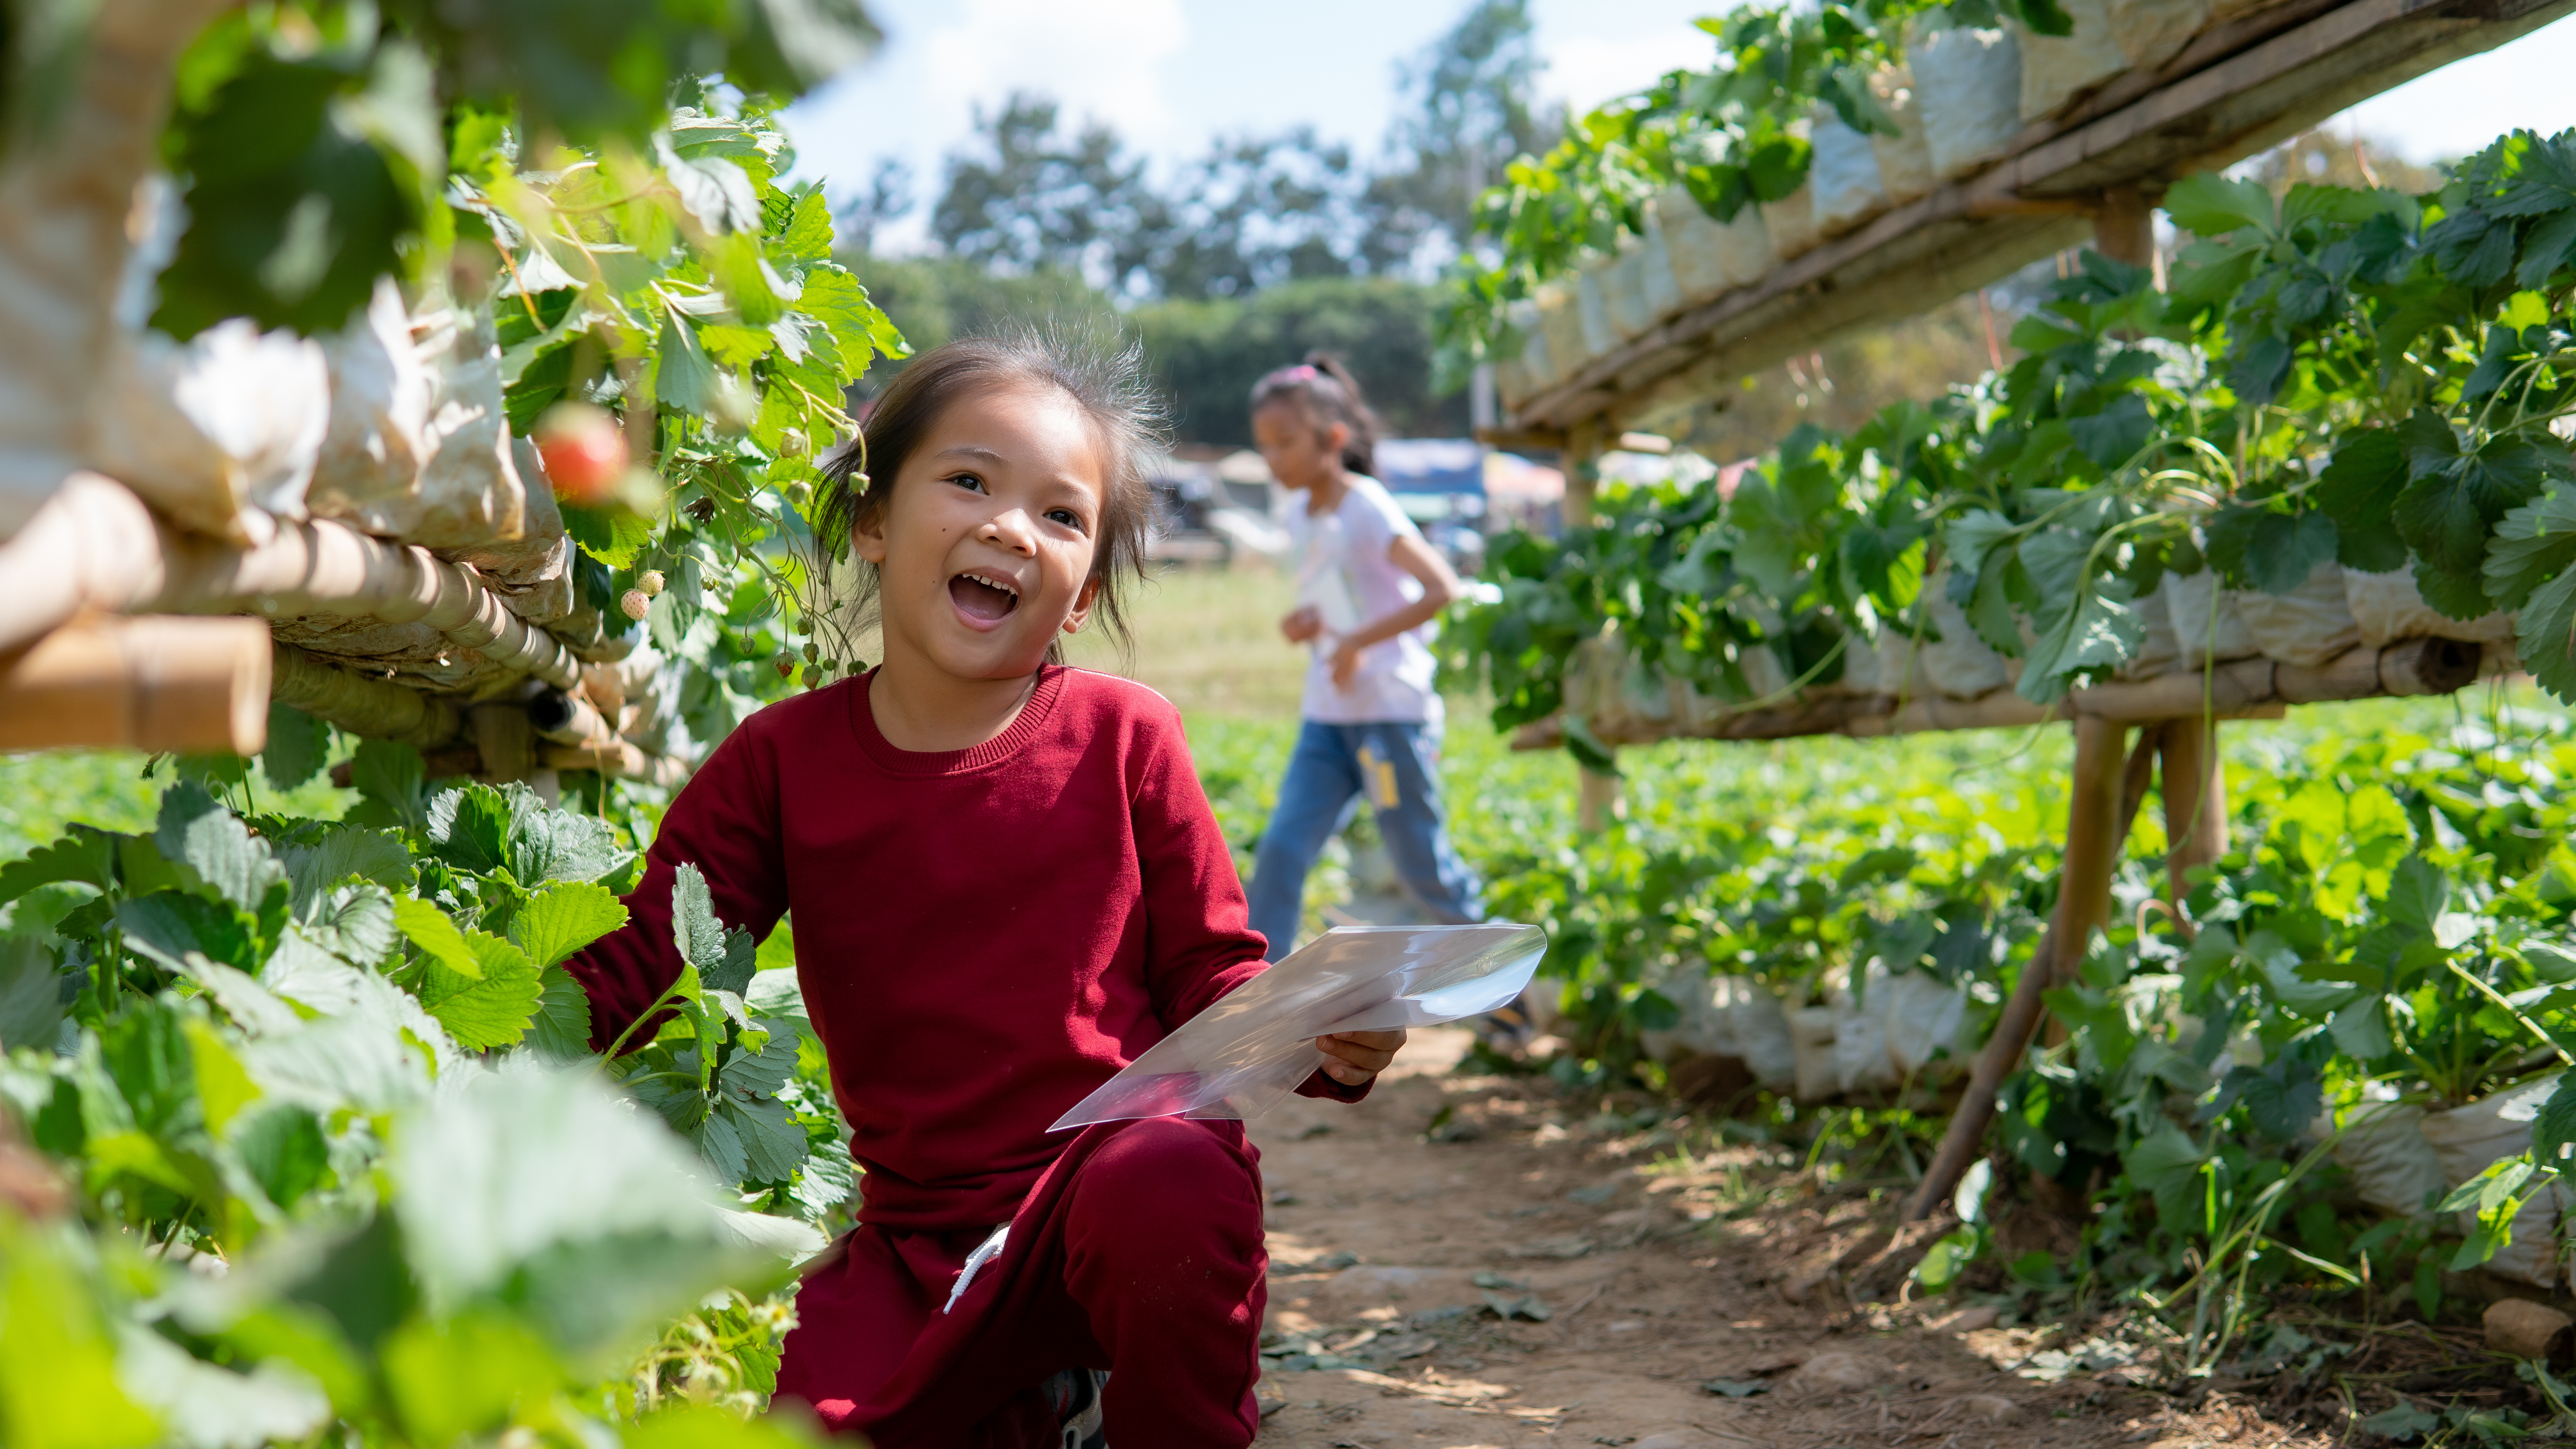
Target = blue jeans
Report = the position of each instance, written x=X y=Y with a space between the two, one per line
x=1335 y=765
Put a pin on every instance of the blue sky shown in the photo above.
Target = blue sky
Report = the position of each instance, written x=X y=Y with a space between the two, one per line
x=1170 y=74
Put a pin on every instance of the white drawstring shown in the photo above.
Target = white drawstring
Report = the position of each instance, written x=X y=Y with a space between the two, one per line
x=984 y=1253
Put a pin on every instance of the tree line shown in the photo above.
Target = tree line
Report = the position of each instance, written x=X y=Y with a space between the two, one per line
x=1237 y=261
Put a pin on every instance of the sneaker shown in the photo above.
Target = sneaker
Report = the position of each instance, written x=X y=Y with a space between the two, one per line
x=1074 y=1395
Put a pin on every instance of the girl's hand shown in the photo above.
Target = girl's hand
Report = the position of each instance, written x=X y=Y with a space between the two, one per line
x=1302 y=625
x=1346 y=662
x=1359 y=1056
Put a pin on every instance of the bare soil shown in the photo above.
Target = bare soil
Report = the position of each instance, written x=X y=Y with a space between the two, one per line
x=1511 y=1274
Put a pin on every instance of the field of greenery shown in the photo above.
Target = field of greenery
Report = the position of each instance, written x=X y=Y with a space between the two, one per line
x=2421 y=835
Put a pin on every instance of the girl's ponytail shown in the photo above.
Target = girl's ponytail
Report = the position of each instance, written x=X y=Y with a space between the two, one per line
x=1324 y=387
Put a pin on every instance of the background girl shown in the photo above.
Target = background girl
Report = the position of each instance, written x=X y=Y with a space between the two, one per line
x=1007 y=885
x=1368 y=589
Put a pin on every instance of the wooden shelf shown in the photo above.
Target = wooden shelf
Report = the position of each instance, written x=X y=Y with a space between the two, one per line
x=2238 y=89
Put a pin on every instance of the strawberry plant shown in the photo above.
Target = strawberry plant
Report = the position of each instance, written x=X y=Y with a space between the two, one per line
x=302 y=1130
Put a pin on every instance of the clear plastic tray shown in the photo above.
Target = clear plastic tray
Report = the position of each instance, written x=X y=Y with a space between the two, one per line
x=1252 y=1047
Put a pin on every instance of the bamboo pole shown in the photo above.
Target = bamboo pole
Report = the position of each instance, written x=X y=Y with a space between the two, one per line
x=2239 y=689
x=567 y=719
x=193 y=685
x=621 y=758
x=94 y=545
x=1596 y=799
x=2195 y=791
x=2083 y=907
x=375 y=708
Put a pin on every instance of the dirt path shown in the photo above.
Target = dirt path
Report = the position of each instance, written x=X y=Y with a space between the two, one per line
x=1391 y=1255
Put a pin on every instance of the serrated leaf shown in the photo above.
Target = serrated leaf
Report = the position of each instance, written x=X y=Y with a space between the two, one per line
x=31 y=1008
x=2544 y=636
x=711 y=188
x=391 y=774
x=2532 y=545
x=469 y=828
x=563 y=918
x=490 y=1006
x=2418 y=892
x=85 y=854
x=2454 y=496
x=561 y=1031
x=683 y=377
x=694 y=927
x=2115 y=434
x=2284 y=550
x=550 y=845
x=2166 y=1163
x=343 y=852
x=825 y=1181
x=166 y=926
x=437 y=936
x=2553 y=1130
x=615 y=536
x=298 y=746
x=224 y=1088
x=2212 y=204
x=356 y=924
x=225 y=859
x=808 y=233
x=2361 y=1030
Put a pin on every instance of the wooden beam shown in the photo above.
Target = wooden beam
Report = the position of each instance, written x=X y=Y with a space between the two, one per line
x=2233 y=91
x=362 y=704
x=2083 y=905
x=2238 y=689
x=194 y=685
x=1516 y=437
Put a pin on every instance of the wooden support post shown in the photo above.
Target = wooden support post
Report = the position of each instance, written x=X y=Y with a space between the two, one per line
x=2195 y=791
x=506 y=739
x=2125 y=228
x=1582 y=470
x=2083 y=907
x=1596 y=802
x=193 y=685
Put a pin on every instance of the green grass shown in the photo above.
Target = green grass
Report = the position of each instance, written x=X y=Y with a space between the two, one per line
x=1208 y=640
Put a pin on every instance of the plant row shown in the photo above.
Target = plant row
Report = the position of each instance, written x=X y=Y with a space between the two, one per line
x=1792 y=93
x=2340 y=378
x=302 y=1134
x=2332 y=1081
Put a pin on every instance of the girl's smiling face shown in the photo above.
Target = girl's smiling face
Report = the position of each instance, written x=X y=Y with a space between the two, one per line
x=984 y=552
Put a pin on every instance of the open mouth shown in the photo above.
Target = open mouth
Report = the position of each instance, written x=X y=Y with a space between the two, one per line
x=982 y=598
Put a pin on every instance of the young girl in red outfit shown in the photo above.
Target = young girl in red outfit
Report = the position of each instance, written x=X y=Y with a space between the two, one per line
x=1007 y=884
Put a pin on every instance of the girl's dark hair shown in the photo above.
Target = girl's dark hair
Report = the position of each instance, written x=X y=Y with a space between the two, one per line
x=1103 y=376
x=1324 y=387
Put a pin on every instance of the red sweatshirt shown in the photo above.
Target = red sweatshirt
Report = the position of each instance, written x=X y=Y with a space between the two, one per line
x=983 y=936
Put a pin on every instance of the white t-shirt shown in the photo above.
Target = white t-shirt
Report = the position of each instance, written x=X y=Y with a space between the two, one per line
x=1345 y=574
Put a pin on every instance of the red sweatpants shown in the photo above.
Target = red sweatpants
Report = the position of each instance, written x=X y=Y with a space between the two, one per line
x=1139 y=1251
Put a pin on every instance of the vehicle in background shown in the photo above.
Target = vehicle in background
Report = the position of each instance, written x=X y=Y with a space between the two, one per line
x=1216 y=505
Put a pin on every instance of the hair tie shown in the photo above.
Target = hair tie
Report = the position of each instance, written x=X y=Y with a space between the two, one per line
x=1302 y=372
